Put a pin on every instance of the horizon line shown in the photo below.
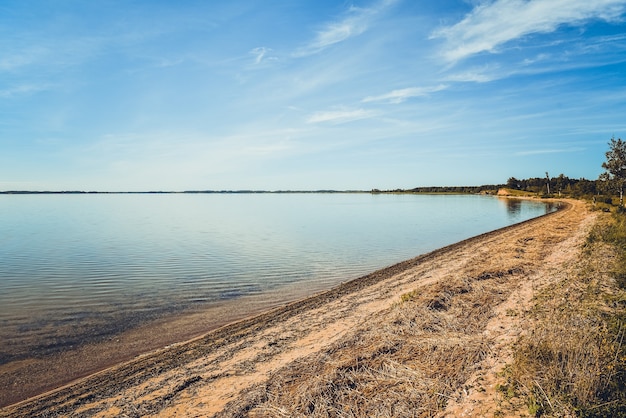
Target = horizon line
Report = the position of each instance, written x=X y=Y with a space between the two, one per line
x=250 y=191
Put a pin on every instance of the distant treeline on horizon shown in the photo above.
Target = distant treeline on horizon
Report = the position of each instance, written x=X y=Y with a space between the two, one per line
x=446 y=189
x=183 y=192
x=540 y=185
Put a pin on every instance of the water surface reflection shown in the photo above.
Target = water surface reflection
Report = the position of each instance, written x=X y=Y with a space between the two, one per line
x=78 y=269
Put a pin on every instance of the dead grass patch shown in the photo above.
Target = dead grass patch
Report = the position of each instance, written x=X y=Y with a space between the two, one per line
x=572 y=361
x=407 y=361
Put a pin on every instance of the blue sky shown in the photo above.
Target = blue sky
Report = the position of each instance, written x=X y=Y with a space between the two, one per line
x=179 y=95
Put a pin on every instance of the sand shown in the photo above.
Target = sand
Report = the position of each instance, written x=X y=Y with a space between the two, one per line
x=375 y=345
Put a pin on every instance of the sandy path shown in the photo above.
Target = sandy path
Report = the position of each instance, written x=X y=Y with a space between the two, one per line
x=208 y=375
x=479 y=398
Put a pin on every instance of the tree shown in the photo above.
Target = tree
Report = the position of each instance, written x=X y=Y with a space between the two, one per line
x=561 y=181
x=615 y=166
x=513 y=183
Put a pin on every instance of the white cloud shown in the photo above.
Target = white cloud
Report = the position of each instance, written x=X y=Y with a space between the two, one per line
x=549 y=151
x=494 y=23
x=482 y=74
x=357 y=22
x=536 y=59
x=340 y=116
x=472 y=76
x=401 y=95
x=260 y=53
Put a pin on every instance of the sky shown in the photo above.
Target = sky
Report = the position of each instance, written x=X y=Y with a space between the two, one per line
x=144 y=95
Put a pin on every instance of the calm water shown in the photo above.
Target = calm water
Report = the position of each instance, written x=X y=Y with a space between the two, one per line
x=76 y=268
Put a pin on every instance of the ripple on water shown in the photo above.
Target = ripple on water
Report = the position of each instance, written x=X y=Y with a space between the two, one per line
x=83 y=268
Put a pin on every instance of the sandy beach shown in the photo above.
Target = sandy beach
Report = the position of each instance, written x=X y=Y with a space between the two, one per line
x=424 y=337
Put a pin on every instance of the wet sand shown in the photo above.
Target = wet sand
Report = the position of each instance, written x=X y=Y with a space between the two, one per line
x=34 y=375
x=229 y=370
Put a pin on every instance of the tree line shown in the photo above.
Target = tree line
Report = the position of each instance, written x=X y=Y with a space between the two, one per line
x=608 y=184
x=445 y=189
x=560 y=185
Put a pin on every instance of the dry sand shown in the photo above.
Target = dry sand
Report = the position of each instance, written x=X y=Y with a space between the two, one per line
x=426 y=337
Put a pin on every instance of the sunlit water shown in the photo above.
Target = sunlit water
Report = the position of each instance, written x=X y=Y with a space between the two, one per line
x=78 y=268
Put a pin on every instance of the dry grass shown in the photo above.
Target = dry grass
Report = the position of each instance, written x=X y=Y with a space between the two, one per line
x=572 y=362
x=405 y=362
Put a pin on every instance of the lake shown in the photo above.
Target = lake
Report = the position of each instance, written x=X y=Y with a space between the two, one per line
x=79 y=268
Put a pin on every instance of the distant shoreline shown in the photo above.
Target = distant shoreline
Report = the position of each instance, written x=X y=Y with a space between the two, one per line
x=417 y=190
x=186 y=192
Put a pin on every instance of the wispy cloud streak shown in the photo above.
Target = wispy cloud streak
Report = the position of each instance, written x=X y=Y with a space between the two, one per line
x=549 y=151
x=357 y=21
x=260 y=53
x=340 y=116
x=494 y=23
x=401 y=95
x=24 y=89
